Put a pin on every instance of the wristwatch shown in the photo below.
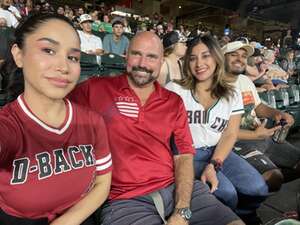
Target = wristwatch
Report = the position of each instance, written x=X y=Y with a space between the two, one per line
x=217 y=163
x=185 y=213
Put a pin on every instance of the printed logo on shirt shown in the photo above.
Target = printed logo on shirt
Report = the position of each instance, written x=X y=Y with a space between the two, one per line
x=248 y=98
x=201 y=117
x=75 y=157
x=127 y=106
x=249 y=118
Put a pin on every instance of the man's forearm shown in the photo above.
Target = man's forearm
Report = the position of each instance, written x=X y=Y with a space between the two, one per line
x=184 y=180
x=264 y=111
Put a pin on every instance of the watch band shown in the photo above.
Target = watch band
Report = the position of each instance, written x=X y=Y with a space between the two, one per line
x=217 y=163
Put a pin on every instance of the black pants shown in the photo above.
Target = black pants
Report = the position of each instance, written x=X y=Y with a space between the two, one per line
x=6 y=219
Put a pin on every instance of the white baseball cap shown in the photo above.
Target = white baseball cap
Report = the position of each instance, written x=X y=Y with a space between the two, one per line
x=84 y=18
x=236 y=45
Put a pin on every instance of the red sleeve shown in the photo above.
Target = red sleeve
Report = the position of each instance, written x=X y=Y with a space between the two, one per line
x=182 y=134
x=102 y=150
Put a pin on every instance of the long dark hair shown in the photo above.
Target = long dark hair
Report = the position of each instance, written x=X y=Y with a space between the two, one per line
x=220 y=86
x=13 y=80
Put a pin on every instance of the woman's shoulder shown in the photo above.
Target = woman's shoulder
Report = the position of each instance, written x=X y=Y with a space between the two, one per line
x=175 y=87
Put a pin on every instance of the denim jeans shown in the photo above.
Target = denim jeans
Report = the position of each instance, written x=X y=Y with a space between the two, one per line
x=241 y=187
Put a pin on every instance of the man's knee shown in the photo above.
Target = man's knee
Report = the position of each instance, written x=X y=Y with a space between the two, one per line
x=274 y=179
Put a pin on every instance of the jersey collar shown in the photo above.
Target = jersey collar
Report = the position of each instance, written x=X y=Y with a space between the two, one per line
x=58 y=131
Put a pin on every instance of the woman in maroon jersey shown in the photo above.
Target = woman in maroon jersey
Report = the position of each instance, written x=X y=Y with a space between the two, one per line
x=55 y=163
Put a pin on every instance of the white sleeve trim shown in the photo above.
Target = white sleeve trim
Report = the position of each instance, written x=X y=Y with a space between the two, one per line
x=104 y=159
x=104 y=166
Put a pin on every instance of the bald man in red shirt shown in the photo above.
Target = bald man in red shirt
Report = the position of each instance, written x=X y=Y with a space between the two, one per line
x=142 y=118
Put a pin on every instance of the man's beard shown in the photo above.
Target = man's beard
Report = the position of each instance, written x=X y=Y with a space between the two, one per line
x=234 y=72
x=145 y=79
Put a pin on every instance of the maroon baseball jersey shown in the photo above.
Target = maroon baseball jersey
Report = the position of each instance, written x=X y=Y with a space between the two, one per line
x=45 y=170
x=139 y=135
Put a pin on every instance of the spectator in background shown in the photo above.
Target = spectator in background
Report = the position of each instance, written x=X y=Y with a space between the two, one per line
x=3 y=22
x=96 y=22
x=274 y=72
x=70 y=14
x=90 y=43
x=256 y=70
x=60 y=10
x=287 y=41
x=80 y=11
x=288 y=63
x=116 y=42
x=174 y=49
x=160 y=31
x=106 y=26
x=10 y=18
x=14 y=10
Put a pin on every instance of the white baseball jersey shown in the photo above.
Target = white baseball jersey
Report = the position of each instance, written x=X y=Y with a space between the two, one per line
x=207 y=126
x=90 y=42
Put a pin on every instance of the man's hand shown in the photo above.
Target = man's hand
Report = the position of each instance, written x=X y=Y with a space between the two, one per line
x=209 y=175
x=99 y=51
x=261 y=132
x=285 y=116
x=176 y=219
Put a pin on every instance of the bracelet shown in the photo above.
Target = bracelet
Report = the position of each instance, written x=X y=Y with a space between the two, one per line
x=217 y=163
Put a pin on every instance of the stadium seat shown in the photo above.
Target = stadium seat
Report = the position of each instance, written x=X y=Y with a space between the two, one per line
x=100 y=34
x=268 y=97
x=112 y=64
x=89 y=66
x=282 y=98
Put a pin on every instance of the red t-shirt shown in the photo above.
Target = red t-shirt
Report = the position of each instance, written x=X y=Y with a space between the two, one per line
x=139 y=135
x=46 y=170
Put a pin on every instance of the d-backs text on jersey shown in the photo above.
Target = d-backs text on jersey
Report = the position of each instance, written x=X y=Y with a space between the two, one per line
x=75 y=157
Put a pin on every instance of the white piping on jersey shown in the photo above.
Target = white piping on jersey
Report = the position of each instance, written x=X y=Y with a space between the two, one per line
x=104 y=166
x=103 y=160
x=42 y=124
x=206 y=112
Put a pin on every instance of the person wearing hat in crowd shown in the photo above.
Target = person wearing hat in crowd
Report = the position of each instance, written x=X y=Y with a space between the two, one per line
x=255 y=142
x=116 y=42
x=89 y=43
x=174 y=49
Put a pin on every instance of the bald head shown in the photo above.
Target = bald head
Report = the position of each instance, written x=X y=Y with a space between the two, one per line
x=149 y=38
x=144 y=59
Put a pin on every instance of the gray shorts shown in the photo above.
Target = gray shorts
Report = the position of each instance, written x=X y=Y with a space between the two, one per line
x=207 y=210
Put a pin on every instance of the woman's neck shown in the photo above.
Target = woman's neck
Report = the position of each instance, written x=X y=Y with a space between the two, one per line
x=50 y=111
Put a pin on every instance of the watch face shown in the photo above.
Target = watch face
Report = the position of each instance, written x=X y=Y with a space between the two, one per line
x=186 y=213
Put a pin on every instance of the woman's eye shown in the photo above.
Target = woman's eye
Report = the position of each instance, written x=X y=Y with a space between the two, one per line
x=74 y=58
x=49 y=51
x=192 y=59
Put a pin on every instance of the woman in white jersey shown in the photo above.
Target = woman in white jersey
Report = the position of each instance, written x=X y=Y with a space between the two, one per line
x=214 y=110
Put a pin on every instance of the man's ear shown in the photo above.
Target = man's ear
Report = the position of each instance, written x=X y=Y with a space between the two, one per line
x=17 y=55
